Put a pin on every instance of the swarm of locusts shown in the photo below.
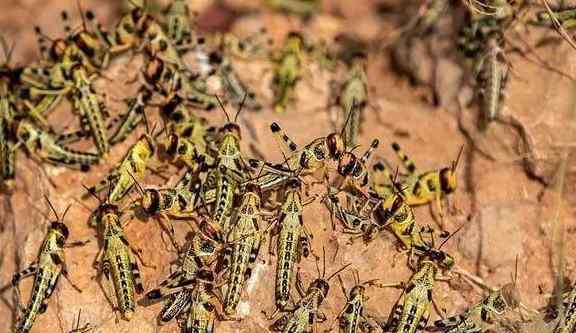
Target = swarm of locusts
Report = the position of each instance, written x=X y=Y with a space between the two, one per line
x=235 y=203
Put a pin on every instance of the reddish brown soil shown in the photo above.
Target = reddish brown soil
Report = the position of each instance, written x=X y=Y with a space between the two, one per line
x=506 y=213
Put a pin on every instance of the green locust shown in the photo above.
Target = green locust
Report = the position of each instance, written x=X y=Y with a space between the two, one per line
x=353 y=99
x=292 y=240
x=244 y=241
x=287 y=70
x=133 y=116
x=132 y=168
x=307 y=311
x=47 y=268
x=412 y=311
x=492 y=79
x=44 y=146
x=178 y=25
x=115 y=259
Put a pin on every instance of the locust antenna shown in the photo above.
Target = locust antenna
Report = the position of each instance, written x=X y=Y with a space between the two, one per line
x=66 y=212
x=455 y=163
x=241 y=106
x=223 y=108
x=338 y=271
x=452 y=235
x=91 y=192
x=78 y=2
x=140 y=189
x=52 y=207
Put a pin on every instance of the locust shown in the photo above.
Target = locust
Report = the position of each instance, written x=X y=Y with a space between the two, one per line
x=355 y=170
x=132 y=168
x=178 y=26
x=412 y=311
x=168 y=80
x=483 y=315
x=307 y=311
x=565 y=16
x=237 y=91
x=91 y=108
x=244 y=239
x=314 y=155
x=430 y=186
x=8 y=111
x=44 y=146
x=177 y=201
x=230 y=170
x=287 y=70
x=304 y=8
x=202 y=313
x=292 y=240
x=115 y=259
x=199 y=253
x=133 y=116
x=352 y=319
x=353 y=99
x=394 y=213
x=492 y=78
x=46 y=269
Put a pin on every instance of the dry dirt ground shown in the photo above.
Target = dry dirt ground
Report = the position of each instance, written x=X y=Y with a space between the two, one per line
x=508 y=200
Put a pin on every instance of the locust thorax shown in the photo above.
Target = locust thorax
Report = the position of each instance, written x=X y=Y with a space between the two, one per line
x=347 y=164
x=232 y=129
x=294 y=184
x=62 y=230
x=57 y=49
x=357 y=291
x=335 y=145
x=153 y=71
x=321 y=285
x=447 y=180
x=151 y=201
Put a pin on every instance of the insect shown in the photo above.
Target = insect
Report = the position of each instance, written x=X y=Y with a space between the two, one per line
x=244 y=239
x=287 y=70
x=178 y=26
x=564 y=16
x=307 y=311
x=115 y=258
x=355 y=170
x=47 y=268
x=236 y=90
x=423 y=188
x=133 y=116
x=292 y=240
x=351 y=319
x=43 y=145
x=203 y=311
x=168 y=80
x=7 y=112
x=314 y=155
x=492 y=78
x=91 y=108
x=200 y=252
x=177 y=201
x=305 y=8
x=353 y=99
x=230 y=169
x=481 y=316
x=412 y=311
x=132 y=168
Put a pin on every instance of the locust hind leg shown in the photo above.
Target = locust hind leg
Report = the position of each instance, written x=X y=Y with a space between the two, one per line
x=18 y=277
